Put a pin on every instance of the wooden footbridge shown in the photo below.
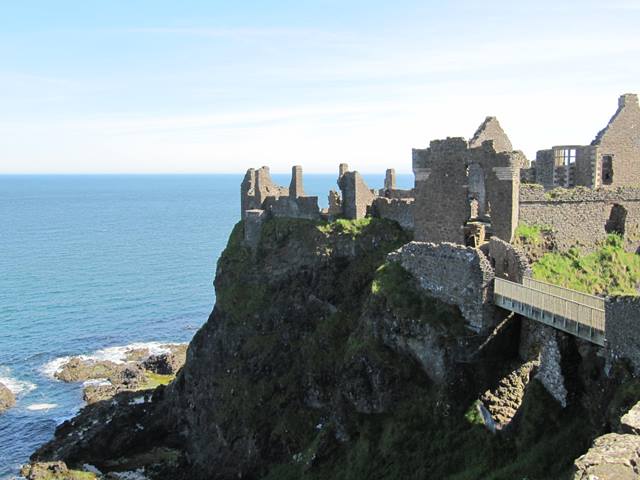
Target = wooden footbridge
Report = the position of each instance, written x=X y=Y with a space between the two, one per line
x=574 y=312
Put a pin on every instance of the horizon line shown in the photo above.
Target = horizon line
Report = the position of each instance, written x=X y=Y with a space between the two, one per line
x=51 y=174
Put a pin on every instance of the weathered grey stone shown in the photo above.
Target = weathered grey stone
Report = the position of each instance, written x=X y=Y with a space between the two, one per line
x=335 y=204
x=539 y=343
x=630 y=421
x=622 y=330
x=450 y=177
x=390 y=179
x=508 y=261
x=491 y=130
x=611 y=160
x=456 y=275
x=397 y=209
x=296 y=188
x=253 y=220
x=612 y=457
x=7 y=398
x=583 y=217
x=357 y=197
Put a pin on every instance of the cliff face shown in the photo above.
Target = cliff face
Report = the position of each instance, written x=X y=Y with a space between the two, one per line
x=322 y=360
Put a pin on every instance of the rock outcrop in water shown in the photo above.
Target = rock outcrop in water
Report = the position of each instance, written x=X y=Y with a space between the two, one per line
x=7 y=398
x=140 y=370
x=321 y=360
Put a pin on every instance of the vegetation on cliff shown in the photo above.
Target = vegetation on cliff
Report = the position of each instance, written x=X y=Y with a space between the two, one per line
x=610 y=270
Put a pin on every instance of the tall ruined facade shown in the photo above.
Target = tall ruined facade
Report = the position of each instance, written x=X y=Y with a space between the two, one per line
x=463 y=188
x=611 y=160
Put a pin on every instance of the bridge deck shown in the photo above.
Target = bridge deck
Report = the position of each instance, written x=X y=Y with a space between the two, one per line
x=573 y=312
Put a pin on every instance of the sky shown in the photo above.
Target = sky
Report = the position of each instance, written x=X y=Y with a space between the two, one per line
x=158 y=86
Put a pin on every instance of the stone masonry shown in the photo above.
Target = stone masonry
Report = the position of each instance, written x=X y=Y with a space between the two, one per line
x=622 y=330
x=507 y=261
x=611 y=160
x=450 y=178
x=583 y=217
x=490 y=129
x=456 y=275
x=357 y=197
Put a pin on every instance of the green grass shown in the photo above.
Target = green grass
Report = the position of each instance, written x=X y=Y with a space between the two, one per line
x=531 y=234
x=348 y=227
x=473 y=415
x=609 y=270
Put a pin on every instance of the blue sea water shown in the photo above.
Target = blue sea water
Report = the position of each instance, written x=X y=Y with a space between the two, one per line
x=91 y=262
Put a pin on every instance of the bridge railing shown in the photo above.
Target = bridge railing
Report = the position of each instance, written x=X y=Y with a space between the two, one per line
x=569 y=294
x=555 y=306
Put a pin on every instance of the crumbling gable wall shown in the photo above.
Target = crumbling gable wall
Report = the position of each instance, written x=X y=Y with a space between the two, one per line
x=611 y=160
x=490 y=129
x=620 y=140
x=456 y=275
x=357 y=197
x=445 y=192
x=256 y=186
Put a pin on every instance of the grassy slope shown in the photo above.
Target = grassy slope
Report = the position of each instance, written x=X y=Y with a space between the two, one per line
x=609 y=270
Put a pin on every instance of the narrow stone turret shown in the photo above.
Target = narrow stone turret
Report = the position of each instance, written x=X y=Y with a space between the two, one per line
x=296 y=188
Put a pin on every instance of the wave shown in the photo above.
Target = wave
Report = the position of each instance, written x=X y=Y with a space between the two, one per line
x=17 y=387
x=117 y=354
x=36 y=407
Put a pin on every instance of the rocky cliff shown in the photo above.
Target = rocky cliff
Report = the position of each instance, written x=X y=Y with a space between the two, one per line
x=322 y=359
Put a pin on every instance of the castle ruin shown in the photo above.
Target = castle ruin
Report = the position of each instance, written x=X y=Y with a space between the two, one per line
x=469 y=197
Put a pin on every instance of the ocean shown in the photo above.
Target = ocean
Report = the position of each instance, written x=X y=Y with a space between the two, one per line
x=90 y=264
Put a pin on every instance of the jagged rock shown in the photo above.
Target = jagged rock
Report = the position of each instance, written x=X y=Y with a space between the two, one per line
x=167 y=363
x=137 y=354
x=80 y=370
x=52 y=471
x=630 y=421
x=612 y=457
x=7 y=398
x=504 y=401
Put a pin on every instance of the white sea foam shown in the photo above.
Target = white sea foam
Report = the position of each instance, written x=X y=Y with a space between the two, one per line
x=116 y=354
x=35 y=407
x=17 y=387
x=54 y=366
x=131 y=475
x=98 y=382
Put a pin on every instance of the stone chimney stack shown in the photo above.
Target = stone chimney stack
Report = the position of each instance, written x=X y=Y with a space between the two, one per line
x=342 y=169
x=296 y=188
x=390 y=179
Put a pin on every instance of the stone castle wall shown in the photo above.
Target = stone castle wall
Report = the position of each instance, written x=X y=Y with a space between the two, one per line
x=622 y=330
x=508 y=261
x=581 y=216
x=449 y=176
x=397 y=209
x=456 y=275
